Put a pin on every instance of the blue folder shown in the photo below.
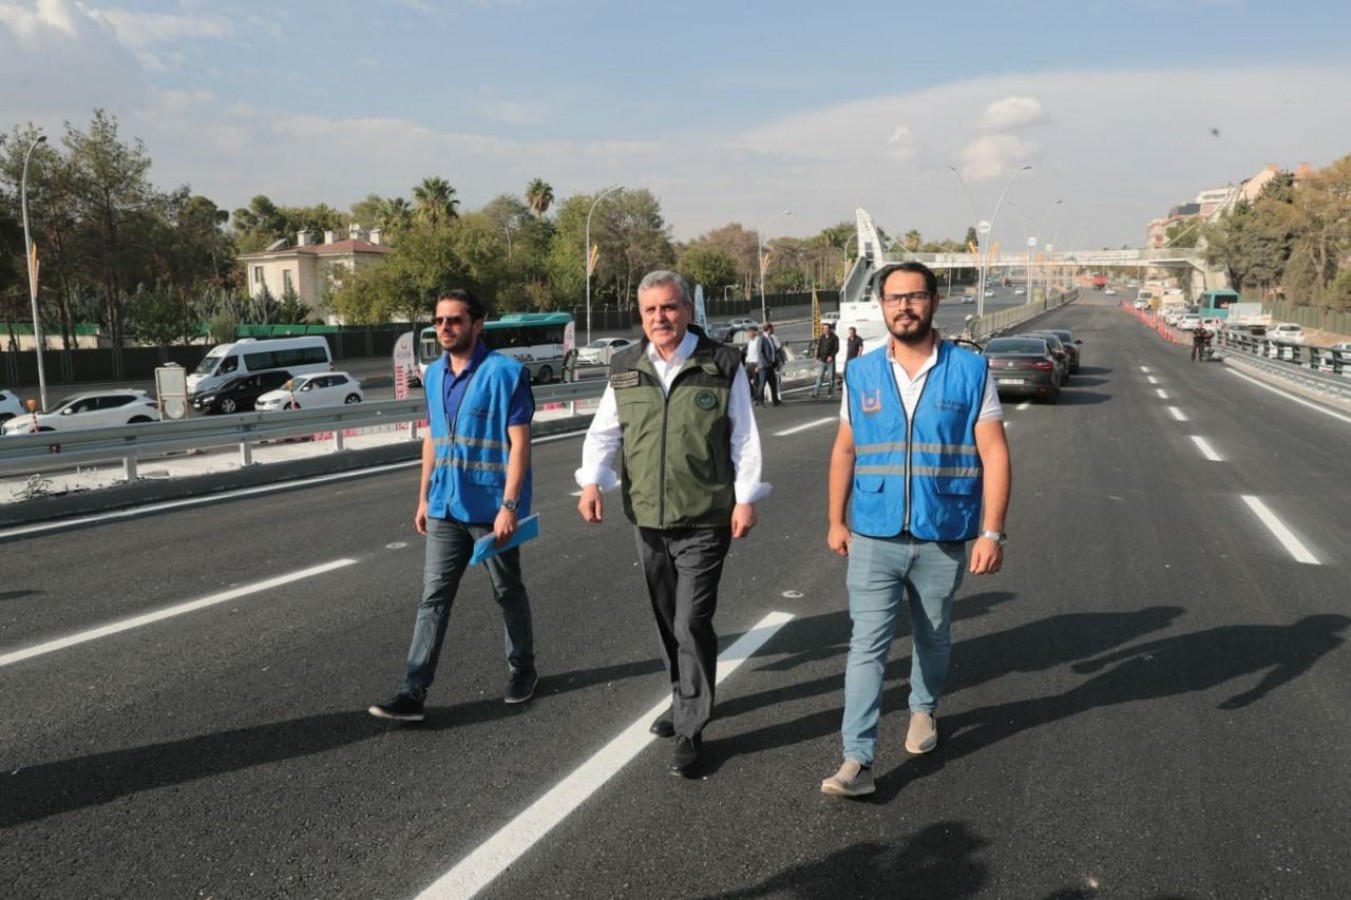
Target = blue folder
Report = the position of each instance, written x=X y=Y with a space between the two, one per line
x=486 y=546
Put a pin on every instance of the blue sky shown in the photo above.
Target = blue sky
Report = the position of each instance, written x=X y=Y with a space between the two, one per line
x=726 y=111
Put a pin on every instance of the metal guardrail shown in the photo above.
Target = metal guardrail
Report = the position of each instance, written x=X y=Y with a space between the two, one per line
x=997 y=323
x=26 y=454
x=1317 y=367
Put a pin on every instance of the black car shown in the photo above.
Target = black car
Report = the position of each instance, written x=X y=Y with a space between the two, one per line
x=1024 y=366
x=239 y=394
x=1059 y=351
x=1072 y=345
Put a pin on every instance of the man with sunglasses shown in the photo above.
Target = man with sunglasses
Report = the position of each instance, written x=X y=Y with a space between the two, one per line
x=475 y=482
x=921 y=464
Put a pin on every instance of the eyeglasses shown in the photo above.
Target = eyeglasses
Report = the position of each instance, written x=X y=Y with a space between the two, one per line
x=447 y=320
x=914 y=298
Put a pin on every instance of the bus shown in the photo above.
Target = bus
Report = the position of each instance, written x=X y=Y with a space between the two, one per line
x=297 y=355
x=538 y=341
x=1215 y=304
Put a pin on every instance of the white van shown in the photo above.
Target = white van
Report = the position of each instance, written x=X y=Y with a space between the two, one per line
x=297 y=355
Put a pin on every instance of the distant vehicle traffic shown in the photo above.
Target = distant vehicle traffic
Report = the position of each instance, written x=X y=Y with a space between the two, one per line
x=538 y=341
x=239 y=394
x=311 y=391
x=297 y=355
x=92 y=409
x=1023 y=367
x=1286 y=333
x=599 y=351
x=10 y=406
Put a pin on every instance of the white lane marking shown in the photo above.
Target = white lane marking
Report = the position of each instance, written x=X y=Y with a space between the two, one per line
x=1292 y=544
x=1026 y=404
x=1151 y=379
x=1177 y=414
x=1289 y=396
x=816 y=424
x=168 y=613
x=1163 y=395
x=1144 y=368
x=1206 y=450
x=477 y=870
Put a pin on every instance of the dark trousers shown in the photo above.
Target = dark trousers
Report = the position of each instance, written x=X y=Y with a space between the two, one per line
x=766 y=375
x=682 y=568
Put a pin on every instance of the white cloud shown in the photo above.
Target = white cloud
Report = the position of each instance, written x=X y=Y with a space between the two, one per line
x=990 y=156
x=1012 y=112
x=144 y=29
x=902 y=143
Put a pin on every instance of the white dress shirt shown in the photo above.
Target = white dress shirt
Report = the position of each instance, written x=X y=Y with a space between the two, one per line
x=910 y=388
x=600 y=450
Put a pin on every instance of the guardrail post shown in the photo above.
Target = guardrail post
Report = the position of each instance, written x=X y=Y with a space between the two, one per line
x=129 y=468
x=245 y=453
x=337 y=437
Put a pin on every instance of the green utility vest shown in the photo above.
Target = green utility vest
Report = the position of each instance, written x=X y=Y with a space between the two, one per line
x=677 y=447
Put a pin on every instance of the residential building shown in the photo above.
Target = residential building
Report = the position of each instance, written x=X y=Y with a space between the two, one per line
x=310 y=268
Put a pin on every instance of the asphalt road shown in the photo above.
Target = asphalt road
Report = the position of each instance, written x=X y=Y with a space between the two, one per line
x=1149 y=701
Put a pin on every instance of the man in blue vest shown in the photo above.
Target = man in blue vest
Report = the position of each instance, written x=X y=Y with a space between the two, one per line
x=922 y=465
x=475 y=482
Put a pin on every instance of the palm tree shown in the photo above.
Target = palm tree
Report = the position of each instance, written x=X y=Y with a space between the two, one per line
x=394 y=213
x=913 y=240
x=436 y=201
x=539 y=195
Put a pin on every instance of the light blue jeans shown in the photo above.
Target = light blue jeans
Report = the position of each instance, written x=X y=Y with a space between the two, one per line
x=825 y=374
x=884 y=572
x=449 y=545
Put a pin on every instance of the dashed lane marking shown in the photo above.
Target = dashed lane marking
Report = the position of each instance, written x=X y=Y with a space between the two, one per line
x=816 y=424
x=1151 y=379
x=170 y=612
x=1293 y=545
x=477 y=870
x=1144 y=368
x=1177 y=414
x=1163 y=395
x=1026 y=404
x=1206 y=450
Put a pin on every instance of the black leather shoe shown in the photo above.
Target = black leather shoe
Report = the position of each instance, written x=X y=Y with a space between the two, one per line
x=663 y=726
x=521 y=686
x=688 y=755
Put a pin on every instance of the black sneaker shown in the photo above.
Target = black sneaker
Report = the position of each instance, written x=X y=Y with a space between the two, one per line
x=687 y=757
x=663 y=726
x=402 y=708
x=521 y=686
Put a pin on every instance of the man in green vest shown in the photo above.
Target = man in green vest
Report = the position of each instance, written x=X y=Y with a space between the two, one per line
x=675 y=428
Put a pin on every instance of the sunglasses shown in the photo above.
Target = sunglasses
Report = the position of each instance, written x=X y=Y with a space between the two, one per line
x=438 y=321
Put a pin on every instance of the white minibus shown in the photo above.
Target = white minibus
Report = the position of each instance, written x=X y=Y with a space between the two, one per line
x=297 y=355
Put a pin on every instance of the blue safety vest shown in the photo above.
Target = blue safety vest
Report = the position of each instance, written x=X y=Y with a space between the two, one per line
x=470 y=475
x=920 y=477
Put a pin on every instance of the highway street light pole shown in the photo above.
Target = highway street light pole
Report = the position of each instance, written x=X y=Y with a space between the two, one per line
x=32 y=275
x=764 y=314
x=975 y=222
x=980 y=300
x=1040 y=236
x=586 y=256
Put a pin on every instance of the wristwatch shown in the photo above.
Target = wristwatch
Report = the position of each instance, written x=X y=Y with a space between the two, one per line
x=509 y=505
x=998 y=537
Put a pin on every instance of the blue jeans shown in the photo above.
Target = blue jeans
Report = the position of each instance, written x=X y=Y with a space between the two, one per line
x=449 y=546
x=825 y=374
x=882 y=573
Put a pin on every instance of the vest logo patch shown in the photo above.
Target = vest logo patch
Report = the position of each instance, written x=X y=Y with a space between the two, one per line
x=953 y=406
x=706 y=400
x=871 y=402
x=624 y=380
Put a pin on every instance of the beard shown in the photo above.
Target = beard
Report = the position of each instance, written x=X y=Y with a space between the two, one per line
x=912 y=330
x=461 y=345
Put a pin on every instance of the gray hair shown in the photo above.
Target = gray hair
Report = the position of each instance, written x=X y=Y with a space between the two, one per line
x=665 y=276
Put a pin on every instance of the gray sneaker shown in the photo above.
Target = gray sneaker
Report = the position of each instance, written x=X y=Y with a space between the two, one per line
x=922 y=736
x=853 y=780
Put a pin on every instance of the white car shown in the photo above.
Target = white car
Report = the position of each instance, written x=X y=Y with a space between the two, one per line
x=830 y=318
x=311 y=391
x=743 y=323
x=1343 y=347
x=93 y=409
x=1188 y=322
x=989 y=292
x=10 y=406
x=599 y=351
x=1110 y=292
x=1017 y=292
x=1286 y=333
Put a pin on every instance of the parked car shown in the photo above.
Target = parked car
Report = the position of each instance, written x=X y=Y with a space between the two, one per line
x=1111 y=292
x=92 y=409
x=311 y=391
x=1188 y=322
x=1072 y=346
x=1018 y=292
x=743 y=323
x=238 y=394
x=1058 y=351
x=1023 y=366
x=1286 y=333
x=599 y=351
x=830 y=318
x=10 y=406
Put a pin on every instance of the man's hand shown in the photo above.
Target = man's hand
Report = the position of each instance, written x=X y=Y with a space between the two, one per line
x=743 y=519
x=837 y=538
x=420 y=517
x=987 y=556
x=591 y=506
x=504 y=526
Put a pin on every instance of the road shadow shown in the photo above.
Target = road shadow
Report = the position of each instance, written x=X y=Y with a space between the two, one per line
x=1035 y=647
x=1072 y=396
x=1081 y=380
x=938 y=861
x=1168 y=667
x=16 y=595
x=1093 y=371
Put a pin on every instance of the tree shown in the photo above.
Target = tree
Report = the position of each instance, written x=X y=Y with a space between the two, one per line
x=707 y=265
x=435 y=201
x=404 y=285
x=912 y=240
x=539 y=196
